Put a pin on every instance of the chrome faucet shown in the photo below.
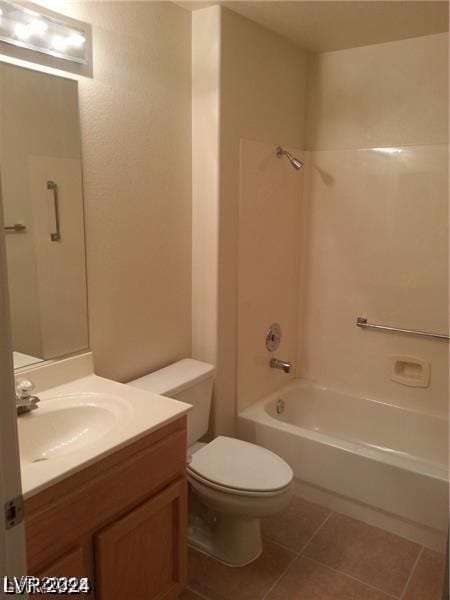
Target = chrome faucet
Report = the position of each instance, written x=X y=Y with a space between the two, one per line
x=283 y=365
x=25 y=402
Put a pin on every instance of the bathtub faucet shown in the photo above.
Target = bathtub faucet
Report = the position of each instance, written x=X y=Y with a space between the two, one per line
x=283 y=365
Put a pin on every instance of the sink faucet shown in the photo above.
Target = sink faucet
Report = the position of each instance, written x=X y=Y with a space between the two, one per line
x=25 y=402
x=283 y=365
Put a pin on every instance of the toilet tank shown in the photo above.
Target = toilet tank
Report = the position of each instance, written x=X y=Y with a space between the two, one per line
x=187 y=380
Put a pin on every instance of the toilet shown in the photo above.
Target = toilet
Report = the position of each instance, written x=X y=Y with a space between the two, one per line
x=232 y=483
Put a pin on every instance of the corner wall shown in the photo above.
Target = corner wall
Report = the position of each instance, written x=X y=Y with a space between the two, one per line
x=263 y=99
x=248 y=97
x=206 y=34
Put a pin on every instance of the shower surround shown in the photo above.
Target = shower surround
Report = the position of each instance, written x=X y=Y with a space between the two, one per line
x=359 y=231
x=368 y=238
x=376 y=230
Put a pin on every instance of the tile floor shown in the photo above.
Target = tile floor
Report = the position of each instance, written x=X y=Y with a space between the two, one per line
x=311 y=553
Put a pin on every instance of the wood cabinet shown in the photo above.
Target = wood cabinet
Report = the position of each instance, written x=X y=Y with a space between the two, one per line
x=74 y=563
x=145 y=550
x=121 y=522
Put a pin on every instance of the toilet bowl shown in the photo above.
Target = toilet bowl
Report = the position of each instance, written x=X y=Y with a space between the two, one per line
x=233 y=484
x=241 y=483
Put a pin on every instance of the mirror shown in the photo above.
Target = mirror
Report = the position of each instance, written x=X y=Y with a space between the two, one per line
x=41 y=191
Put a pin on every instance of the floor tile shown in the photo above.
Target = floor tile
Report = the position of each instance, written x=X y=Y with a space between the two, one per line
x=428 y=577
x=190 y=595
x=252 y=582
x=309 y=580
x=294 y=527
x=372 y=555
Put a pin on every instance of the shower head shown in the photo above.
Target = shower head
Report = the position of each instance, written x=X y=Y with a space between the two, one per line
x=295 y=162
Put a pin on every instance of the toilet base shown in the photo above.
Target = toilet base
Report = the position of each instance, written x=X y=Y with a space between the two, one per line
x=227 y=526
x=234 y=541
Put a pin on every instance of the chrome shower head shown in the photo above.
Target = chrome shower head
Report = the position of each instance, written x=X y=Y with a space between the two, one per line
x=295 y=162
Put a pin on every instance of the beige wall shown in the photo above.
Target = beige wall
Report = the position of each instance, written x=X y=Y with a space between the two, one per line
x=255 y=81
x=382 y=95
x=377 y=225
x=205 y=180
x=136 y=140
x=263 y=79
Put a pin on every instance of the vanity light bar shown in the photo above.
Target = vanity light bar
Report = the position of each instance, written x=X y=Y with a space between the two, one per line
x=26 y=27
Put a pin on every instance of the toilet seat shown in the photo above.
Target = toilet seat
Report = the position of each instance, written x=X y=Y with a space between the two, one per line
x=194 y=477
x=237 y=467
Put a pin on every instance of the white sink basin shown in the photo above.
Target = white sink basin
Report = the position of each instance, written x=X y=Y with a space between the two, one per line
x=68 y=423
x=82 y=421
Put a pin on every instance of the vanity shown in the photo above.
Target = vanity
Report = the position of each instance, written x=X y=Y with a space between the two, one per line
x=103 y=477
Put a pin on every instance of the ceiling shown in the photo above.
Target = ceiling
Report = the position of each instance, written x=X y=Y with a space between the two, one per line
x=322 y=26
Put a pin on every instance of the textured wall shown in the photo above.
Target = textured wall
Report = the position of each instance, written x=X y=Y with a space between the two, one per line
x=376 y=239
x=381 y=95
x=136 y=140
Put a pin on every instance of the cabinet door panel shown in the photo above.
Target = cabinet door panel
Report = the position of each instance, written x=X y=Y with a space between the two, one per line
x=143 y=555
x=75 y=563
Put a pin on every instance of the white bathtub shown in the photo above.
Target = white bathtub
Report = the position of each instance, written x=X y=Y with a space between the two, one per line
x=376 y=461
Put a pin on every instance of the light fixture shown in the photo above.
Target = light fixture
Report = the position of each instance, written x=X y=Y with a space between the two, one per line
x=36 y=29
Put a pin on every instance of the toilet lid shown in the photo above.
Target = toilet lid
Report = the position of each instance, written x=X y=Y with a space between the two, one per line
x=240 y=465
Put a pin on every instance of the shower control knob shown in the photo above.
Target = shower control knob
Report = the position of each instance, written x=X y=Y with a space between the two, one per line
x=273 y=337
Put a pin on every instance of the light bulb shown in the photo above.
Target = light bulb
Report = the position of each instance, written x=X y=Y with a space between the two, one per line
x=59 y=43
x=76 y=40
x=38 y=27
x=388 y=150
x=22 y=31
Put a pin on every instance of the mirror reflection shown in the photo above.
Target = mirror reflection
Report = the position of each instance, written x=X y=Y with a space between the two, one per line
x=41 y=190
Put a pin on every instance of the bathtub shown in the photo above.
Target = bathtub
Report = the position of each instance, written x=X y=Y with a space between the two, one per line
x=370 y=459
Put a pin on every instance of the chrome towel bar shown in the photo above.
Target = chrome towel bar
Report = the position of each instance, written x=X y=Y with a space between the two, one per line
x=362 y=322
x=16 y=228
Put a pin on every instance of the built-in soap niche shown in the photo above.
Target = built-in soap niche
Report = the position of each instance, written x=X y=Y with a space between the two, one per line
x=410 y=370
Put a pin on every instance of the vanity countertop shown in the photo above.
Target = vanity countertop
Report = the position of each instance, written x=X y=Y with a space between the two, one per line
x=78 y=423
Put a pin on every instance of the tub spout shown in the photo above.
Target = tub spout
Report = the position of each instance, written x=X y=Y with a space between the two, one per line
x=283 y=365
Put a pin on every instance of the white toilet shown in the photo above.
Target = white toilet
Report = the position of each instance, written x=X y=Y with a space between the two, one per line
x=234 y=483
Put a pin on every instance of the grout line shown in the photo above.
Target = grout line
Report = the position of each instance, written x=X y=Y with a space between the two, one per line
x=408 y=581
x=197 y=593
x=369 y=585
x=317 y=531
x=287 y=548
x=296 y=556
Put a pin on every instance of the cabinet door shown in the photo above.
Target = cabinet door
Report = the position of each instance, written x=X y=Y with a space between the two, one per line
x=76 y=563
x=143 y=555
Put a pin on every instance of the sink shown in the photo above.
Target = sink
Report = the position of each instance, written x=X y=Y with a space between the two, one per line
x=68 y=423
x=82 y=421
